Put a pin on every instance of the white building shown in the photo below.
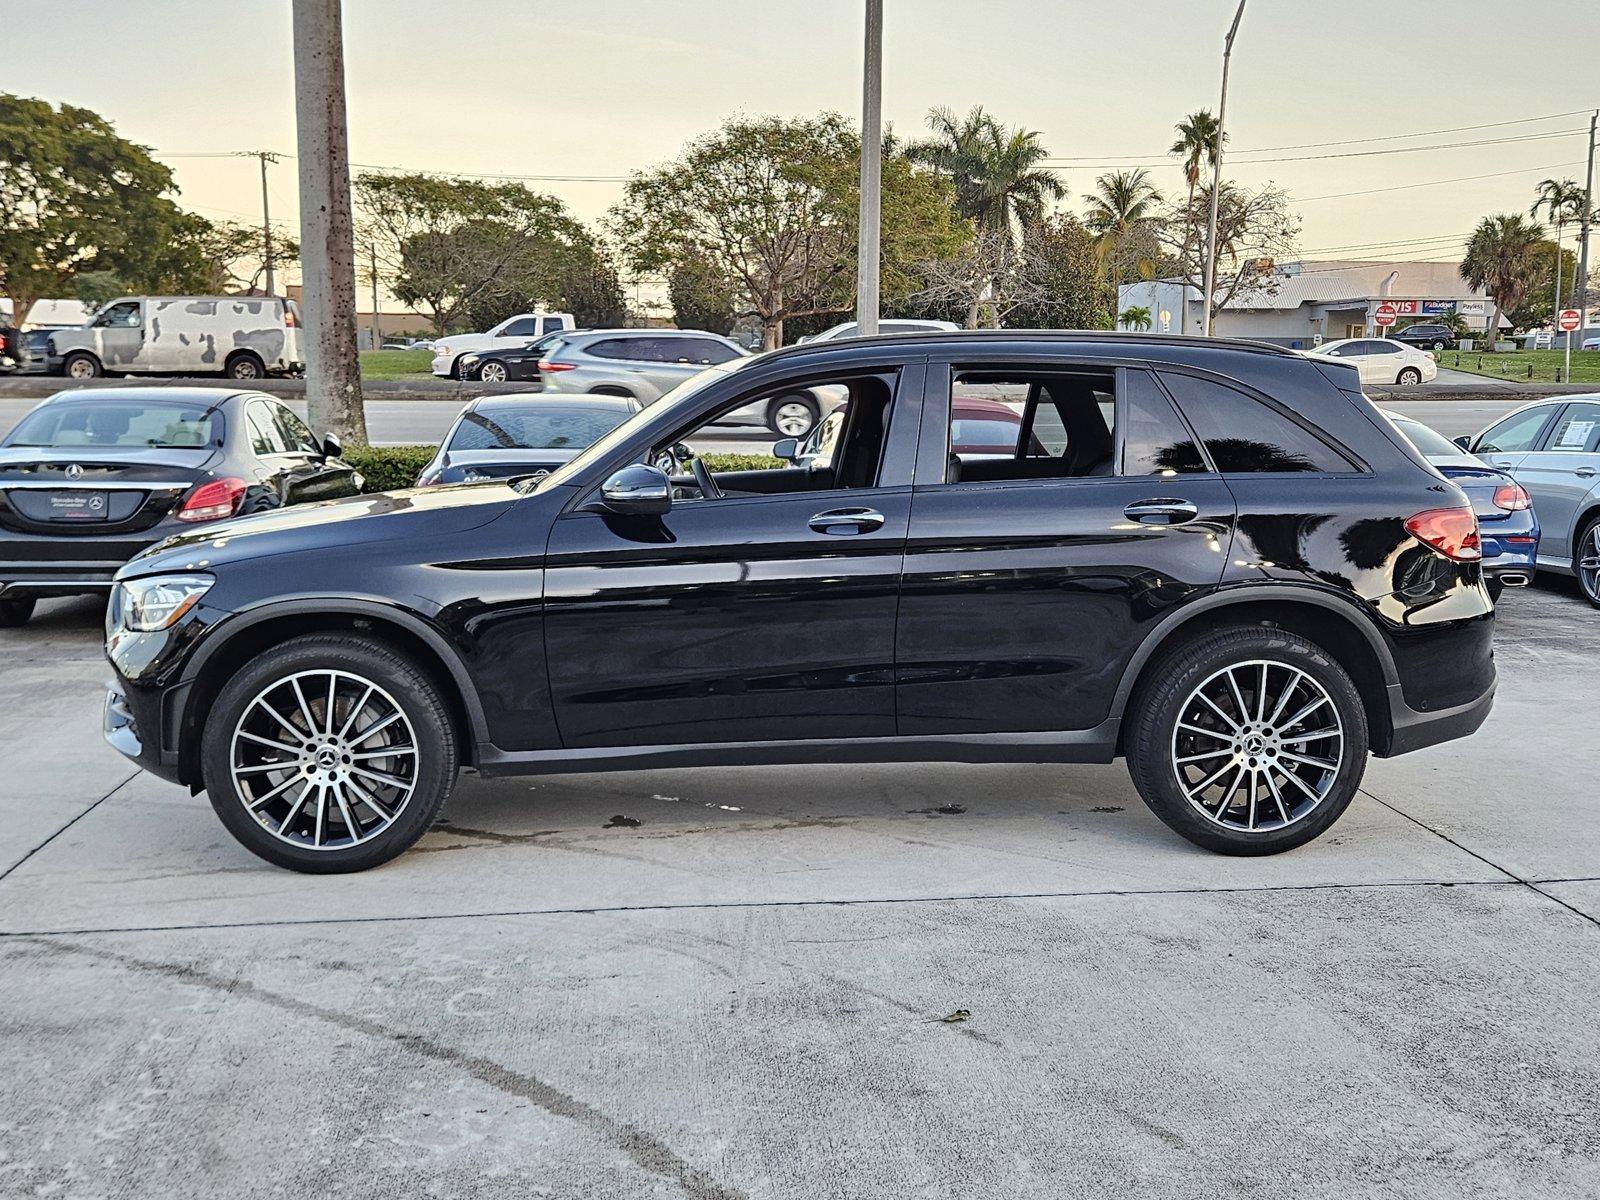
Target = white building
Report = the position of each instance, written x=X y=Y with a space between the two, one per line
x=1310 y=302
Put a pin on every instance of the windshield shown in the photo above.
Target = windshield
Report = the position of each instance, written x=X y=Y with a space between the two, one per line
x=1430 y=442
x=129 y=424
x=620 y=435
x=534 y=426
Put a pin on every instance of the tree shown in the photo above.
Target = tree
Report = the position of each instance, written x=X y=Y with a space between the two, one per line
x=463 y=246
x=1197 y=140
x=1254 y=230
x=988 y=278
x=701 y=299
x=1135 y=316
x=1502 y=258
x=228 y=255
x=75 y=199
x=1123 y=216
x=1562 y=201
x=591 y=291
x=995 y=172
x=1538 y=307
x=770 y=206
x=1074 y=292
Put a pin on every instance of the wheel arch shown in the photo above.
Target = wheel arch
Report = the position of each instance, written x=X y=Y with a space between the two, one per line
x=1331 y=622
x=244 y=352
x=255 y=631
x=82 y=352
x=613 y=389
x=1589 y=511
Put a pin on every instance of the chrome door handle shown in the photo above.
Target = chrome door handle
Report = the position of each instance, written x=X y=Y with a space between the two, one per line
x=846 y=521
x=1585 y=472
x=1161 y=511
x=1504 y=466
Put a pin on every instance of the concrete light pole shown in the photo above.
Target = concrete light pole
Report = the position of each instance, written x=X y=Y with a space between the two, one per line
x=1581 y=291
x=1216 y=178
x=327 y=242
x=867 y=236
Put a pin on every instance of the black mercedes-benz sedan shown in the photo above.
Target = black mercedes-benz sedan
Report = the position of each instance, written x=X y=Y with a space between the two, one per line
x=507 y=437
x=1216 y=559
x=89 y=478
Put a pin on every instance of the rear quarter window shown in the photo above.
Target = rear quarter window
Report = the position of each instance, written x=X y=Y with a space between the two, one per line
x=1247 y=436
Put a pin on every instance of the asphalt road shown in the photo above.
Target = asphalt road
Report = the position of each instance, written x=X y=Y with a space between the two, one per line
x=742 y=995
x=394 y=422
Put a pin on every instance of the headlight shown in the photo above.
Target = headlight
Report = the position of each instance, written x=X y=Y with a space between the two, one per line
x=440 y=348
x=148 y=605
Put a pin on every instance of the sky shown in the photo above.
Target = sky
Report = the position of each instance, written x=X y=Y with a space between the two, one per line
x=604 y=87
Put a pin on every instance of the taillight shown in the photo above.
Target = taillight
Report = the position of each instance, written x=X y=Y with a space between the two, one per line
x=214 y=500
x=1453 y=532
x=288 y=318
x=546 y=365
x=1512 y=497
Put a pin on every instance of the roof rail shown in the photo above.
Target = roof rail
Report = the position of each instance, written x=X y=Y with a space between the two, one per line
x=1068 y=336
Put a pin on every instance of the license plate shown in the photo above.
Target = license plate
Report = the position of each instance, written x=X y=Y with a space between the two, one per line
x=77 y=506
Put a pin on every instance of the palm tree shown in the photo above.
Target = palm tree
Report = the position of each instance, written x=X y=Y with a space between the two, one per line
x=1501 y=258
x=1197 y=140
x=1122 y=207
x=1562 y=200
x=1135 y=316
x=998 y=182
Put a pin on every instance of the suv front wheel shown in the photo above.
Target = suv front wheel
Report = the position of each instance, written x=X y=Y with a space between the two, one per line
x=331 y=753
x=1248 y=740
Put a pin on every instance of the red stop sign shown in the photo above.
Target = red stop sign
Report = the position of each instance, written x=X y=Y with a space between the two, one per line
x=1569 y=319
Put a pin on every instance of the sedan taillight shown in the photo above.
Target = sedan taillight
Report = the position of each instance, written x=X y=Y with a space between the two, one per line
x=214 y=500
x=1453 y=532
x=1512 y=497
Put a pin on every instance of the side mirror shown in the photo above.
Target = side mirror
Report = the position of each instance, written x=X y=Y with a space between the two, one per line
x=332 y=447
x=1463 y=441
x=788 y=448
x=637 y=491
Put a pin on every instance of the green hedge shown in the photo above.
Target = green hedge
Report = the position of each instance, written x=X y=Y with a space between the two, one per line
x=387 y=468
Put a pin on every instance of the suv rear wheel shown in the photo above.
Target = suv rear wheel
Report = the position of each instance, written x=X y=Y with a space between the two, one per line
x=1247 y=740
x=331 y=753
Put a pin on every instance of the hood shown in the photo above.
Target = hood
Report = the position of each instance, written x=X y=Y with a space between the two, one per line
x=413 y=514
x=457 y=342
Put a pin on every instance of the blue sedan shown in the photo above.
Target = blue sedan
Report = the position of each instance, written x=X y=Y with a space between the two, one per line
x=1507 y=523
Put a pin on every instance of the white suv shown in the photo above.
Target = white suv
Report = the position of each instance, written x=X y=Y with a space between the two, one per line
x=509 y=334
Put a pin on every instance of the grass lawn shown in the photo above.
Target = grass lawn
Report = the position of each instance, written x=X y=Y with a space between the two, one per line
x=1515 y=364
x=403 y=364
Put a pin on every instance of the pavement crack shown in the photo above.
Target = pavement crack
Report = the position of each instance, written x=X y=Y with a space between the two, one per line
x=68 y=825
x=645 y=1149
x=1530 y=884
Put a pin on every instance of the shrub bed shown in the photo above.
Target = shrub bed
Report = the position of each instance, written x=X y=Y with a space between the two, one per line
x=387 y=468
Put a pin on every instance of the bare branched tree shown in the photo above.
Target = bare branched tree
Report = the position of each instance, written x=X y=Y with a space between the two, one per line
x=989 y=277
x=1255 y=230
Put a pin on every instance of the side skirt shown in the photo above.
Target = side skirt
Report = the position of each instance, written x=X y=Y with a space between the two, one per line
x=1096 y=745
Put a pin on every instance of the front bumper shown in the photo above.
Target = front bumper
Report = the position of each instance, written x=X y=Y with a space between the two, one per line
x=442 y=364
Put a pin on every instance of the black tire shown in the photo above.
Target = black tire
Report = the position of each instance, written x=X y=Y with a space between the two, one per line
x=373 y=661
x=500 y=369
x=1588 y=582
x=15 y=611
x=81 y=365
x=245 y=365
x=785 y=408
x=1438 y=346
x=1167 y=686
x=1409 y=376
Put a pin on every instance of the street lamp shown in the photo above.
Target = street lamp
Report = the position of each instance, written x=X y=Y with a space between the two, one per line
x=1216 y=178
x=867 y=219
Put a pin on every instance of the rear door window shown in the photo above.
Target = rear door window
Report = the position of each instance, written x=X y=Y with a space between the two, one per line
x=1247 y=436
x=1155 y=440
x=1577 y=431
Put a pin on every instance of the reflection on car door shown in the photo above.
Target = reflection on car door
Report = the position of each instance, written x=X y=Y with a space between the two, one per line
x=1024 y=598
x=310 y=475
x=734 y=619
x=1560 y=473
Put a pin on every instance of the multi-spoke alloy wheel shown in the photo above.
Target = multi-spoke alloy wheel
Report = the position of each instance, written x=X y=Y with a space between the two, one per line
x=330 y=752
x=1258 y=745
x=792 y=416
x=324 y=759
x=1247 y=739
x=1588 y=562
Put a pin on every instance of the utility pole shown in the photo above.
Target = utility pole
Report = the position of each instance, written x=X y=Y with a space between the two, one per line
x=327 y=242
x=1216 y=176
x=867 y=222
x=1581 y=292
x=377 y=327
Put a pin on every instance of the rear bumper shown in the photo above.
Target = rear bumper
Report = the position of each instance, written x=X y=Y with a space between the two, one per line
x=1413 y=730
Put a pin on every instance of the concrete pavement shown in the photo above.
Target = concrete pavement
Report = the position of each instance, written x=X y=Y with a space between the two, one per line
x=742 y=995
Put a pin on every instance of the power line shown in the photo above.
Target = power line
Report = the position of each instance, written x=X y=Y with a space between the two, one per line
x=1401 y=187
x=1061 y=164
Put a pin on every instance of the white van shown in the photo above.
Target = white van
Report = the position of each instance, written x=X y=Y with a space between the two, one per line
x=242 y=337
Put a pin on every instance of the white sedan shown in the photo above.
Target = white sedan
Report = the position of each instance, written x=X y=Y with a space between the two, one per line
x=1380 y=360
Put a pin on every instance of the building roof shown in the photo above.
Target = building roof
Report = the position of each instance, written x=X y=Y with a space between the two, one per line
x=1334 y=280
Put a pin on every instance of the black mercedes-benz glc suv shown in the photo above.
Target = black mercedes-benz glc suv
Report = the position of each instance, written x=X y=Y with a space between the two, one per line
x=1216 y=559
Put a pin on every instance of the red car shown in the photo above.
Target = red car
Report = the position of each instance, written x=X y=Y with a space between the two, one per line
x=978 y=427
